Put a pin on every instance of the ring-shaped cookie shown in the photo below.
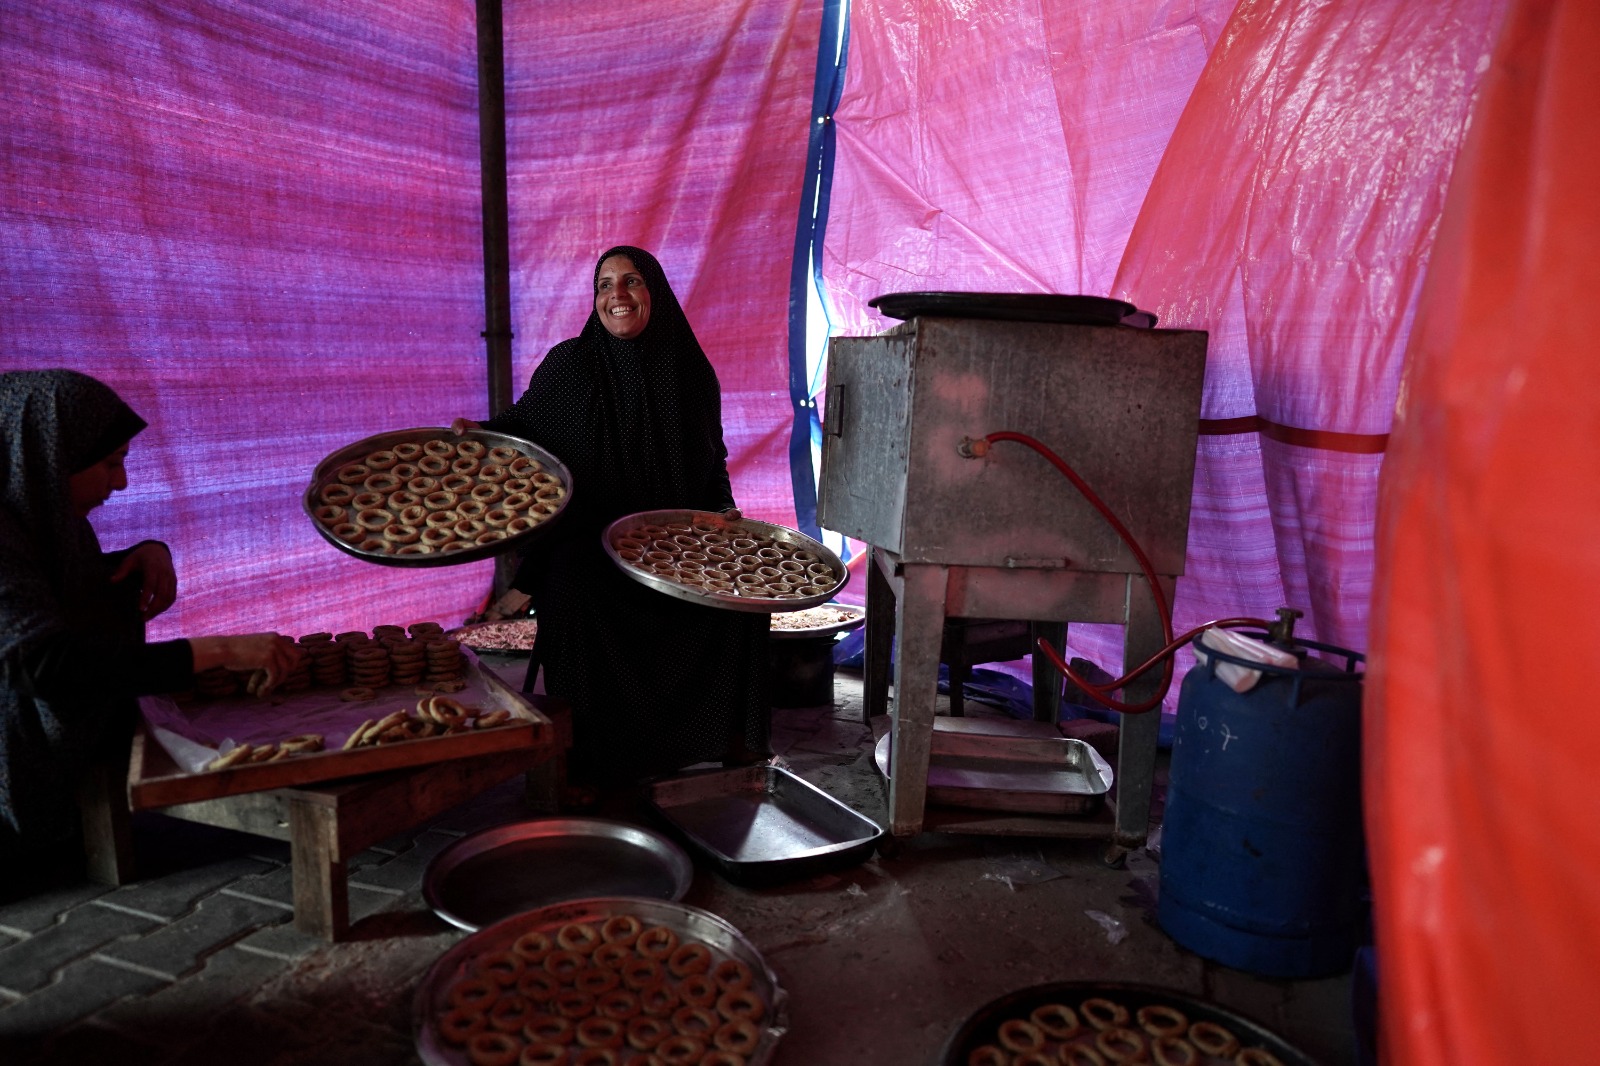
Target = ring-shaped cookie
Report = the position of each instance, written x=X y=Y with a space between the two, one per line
x=1158 y=1019
x=352 y=474
x=493 y=1049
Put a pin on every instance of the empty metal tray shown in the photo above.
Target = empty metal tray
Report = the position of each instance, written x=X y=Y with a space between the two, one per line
x=762 y=824
x=508 y=869
x=1024 y=773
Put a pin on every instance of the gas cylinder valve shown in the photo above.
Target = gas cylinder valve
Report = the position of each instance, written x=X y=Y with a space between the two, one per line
x=972 y=449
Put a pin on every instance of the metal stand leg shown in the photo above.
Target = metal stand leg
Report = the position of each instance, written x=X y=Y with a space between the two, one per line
x=919 y=631
x=1046 y=678
x=1136 y=744
x=879 y=650
x=954 y=654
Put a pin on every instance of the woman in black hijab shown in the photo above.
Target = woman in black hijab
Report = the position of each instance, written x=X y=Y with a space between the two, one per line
x=632 y=407
x=72 y=648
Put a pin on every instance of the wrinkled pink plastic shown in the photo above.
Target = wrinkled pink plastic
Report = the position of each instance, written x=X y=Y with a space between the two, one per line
x=1271 y=174
x=1482 y=735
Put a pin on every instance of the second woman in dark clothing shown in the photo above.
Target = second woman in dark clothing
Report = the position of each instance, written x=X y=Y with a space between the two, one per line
x=72 y=649
x=633 y=408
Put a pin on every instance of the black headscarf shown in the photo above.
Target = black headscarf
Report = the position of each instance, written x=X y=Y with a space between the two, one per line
x=53 y=424
x=637 y=421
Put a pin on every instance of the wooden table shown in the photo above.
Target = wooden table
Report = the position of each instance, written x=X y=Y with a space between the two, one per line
x=329 y=822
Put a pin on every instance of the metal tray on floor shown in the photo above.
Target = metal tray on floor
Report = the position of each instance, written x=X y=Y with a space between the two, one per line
x=723 y=940
x=981 y=1028
x=1023 y=772
x=763 y=824
x=509 y=869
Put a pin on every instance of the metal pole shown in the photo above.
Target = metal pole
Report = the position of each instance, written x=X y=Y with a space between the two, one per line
x=496 y=229
x=496 y=222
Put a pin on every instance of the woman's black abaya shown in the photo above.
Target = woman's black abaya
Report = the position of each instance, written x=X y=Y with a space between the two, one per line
x=655 y=683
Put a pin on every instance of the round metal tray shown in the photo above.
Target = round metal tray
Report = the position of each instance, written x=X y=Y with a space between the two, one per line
x=324 y=474
x=981 y=1026
x=510 y=869
x=1009 y=306
x=722 y=938
x=782 y=535
x=471 y=635
x=857 y=619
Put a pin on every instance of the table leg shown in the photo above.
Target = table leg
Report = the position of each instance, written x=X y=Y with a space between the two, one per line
x=1046 y=678
x=1137 y=737
x=879 y=640
x=107 y=823
x=919 y=632
x=321 y=892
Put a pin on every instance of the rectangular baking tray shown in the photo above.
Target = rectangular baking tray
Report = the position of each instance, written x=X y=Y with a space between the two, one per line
x=763 y=824
x=1022 y=771
x=156 y=778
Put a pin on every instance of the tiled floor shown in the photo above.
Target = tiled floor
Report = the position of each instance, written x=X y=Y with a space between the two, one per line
x=199 y=964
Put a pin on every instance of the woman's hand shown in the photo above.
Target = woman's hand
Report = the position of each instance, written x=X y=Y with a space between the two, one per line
x=269 y=656
x=462 y=425
x=732 y=514
x=151 y=562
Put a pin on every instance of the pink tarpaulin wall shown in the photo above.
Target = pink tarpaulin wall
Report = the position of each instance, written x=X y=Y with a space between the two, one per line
x=687 y=139
x=261 y=223
x=1270 y=172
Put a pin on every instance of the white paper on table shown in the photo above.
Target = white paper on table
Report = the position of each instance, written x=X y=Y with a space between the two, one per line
x=196 y=733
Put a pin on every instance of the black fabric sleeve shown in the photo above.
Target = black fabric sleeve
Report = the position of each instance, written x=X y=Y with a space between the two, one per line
x=66 y=668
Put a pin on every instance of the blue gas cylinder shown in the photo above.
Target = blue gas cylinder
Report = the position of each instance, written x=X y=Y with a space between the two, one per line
x=1262 y=850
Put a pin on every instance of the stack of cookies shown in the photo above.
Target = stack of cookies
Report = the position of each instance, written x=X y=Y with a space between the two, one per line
x=217 y=683
x=419 y=654
x=367 y=663
x=406 y=657
x=298 y=679
x=445 y=664
x=325 y=657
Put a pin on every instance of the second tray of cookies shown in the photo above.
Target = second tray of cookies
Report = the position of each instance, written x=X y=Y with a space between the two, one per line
x=735 y=564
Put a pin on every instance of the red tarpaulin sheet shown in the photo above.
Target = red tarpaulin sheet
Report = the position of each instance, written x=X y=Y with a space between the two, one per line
x=1482 y=739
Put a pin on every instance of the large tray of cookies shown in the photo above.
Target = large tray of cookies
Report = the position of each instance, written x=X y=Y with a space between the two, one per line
x=737 y=564
x=551 y=985
x=429 y=497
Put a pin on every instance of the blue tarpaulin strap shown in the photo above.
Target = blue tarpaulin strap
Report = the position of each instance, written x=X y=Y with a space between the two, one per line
x=806 y=269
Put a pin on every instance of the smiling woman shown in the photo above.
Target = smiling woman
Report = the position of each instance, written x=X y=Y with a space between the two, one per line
x=621 y=297
x=633 y=408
